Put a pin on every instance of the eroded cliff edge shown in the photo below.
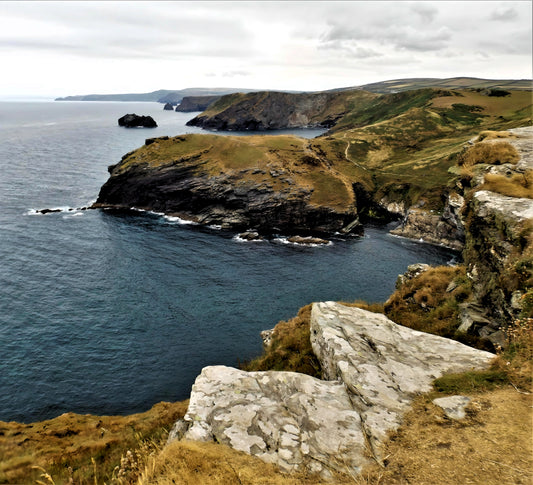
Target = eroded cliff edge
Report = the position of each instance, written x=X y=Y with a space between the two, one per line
x=272 y=185
x=373 y=369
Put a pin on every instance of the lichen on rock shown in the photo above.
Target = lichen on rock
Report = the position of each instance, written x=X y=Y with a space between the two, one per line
x=373 y=369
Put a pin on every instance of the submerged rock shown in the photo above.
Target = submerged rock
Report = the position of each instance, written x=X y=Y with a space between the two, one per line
x=307 y=240
x=134 y=121
x=373 y=369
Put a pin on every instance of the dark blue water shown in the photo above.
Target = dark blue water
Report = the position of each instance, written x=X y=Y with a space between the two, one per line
x=109 y=314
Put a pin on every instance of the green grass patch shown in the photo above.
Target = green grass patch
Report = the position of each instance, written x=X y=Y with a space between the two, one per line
x=468 y=382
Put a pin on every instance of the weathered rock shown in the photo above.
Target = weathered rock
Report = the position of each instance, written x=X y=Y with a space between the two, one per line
x=494 y=235
x=250 y=236
x=266 y=337
x=290 y=419
x=373 y=369
x=136 y=121
x=168 y=107
x=472 y=318
x=196 y=103
x=453 y=406
x=383 y=365
x=307 y=240
x=413 y=270
x=442 y=229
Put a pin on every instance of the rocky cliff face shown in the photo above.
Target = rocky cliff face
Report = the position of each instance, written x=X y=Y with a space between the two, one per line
x=445 y=229
x=373 y=368
x=272 y=111
x=270 y=197
x=196 y=103
x=499 y=229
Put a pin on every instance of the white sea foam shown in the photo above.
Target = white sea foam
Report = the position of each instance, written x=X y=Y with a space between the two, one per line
x=242 y=240
x=38 y=212
x=179 y=220
x=284 y=240
x=75 y=214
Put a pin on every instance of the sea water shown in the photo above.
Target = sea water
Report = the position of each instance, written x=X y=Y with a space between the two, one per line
x=110 y=313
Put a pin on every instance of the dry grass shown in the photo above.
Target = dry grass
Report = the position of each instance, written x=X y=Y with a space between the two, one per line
x=516 y=185
x=492 y=153
x=290 y=348
x=192 y=463
x=65 y=445
x=494 y=135
x=492 y=446
x=423 y=303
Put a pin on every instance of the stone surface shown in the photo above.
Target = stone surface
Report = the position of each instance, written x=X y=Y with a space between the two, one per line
x=453 y=406
x=290 y=419
x=168 y=107
x=413 y=270
x=383 y=365
x=373 y=369
x=307 y=240
x=495 y=235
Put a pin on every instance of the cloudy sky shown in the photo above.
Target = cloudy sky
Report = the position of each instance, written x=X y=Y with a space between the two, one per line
x=63 y=48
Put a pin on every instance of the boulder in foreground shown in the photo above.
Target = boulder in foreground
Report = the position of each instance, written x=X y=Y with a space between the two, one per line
x=374 y=368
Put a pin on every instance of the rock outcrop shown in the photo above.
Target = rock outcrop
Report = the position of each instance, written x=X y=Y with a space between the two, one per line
x=444 y=229
x=190 y=104
x=260 y=192
x=168 y=107
x=133 y=120
x=372 y=368
x=273 y=111
x=498 y=228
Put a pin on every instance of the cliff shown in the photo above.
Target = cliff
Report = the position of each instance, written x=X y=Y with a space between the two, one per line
x=265 y=184
x=273 y=111
x=196 y=103
x=372 y=370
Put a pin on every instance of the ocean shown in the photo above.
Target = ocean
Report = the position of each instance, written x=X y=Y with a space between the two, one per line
x=109 y=313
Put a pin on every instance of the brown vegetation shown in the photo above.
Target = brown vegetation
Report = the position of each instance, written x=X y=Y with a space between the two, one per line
x=515 y=185
x=64 y=446
x=430 y=302
x=492 y=153
x=290 y=348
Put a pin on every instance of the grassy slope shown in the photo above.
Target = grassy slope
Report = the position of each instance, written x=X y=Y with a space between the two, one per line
x=398 y=145
x=407 y=147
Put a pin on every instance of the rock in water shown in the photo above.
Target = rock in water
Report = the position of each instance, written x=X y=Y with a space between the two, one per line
x=168 y=107
x=373 y=369
x=133 y=121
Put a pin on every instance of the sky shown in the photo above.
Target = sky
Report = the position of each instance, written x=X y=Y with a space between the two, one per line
x=65 y=48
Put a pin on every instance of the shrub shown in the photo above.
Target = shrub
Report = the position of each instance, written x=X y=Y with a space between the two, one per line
x=290 y=348
x=430 y=301
x=494 y=153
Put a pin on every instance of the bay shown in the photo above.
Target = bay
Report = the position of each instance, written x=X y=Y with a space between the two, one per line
x=110 y=313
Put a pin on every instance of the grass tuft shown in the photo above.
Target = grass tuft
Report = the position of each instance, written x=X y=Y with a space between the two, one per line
x=290 y=348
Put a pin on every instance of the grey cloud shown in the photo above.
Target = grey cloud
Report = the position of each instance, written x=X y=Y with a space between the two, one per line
x=349 y=48
x=504 y=14
x=426 y=11
x=422 y=41
x=403 y=37
x=132 y=30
